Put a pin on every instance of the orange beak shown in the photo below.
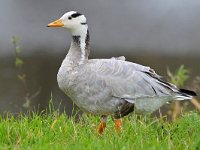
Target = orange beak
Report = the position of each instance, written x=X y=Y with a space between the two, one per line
x=57 y=23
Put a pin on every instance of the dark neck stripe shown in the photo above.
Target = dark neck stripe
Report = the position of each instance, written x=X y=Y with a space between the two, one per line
x=87 y=40
x=77 y=43
x=76 y=40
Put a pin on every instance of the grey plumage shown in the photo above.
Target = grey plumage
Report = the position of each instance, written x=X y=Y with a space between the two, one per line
x=102 y=86
x=112 y=86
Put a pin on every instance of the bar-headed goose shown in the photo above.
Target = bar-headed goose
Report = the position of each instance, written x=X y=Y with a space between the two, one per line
x=109 y=86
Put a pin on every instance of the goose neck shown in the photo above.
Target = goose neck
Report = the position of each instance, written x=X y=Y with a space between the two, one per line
x=80 y=42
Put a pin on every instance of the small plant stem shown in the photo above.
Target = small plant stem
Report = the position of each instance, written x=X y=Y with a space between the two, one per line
x=196 y=103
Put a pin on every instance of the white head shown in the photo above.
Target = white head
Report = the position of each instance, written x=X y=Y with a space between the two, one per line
x=73 y=21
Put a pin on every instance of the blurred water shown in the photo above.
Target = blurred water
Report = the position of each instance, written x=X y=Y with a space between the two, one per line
x=168 y=27
x=41 y=70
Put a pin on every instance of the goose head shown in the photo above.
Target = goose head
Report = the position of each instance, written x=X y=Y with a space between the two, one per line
x=73 y=21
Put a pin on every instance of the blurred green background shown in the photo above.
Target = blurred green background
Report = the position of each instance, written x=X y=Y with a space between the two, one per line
x=158 y=34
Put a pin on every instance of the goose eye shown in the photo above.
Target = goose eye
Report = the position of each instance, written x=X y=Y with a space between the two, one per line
x=69 y=18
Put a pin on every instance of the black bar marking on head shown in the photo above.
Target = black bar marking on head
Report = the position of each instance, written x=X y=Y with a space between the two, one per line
x=76 y=15
x=84 y=23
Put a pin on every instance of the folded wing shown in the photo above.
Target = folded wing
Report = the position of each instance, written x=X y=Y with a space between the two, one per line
x=130 y=81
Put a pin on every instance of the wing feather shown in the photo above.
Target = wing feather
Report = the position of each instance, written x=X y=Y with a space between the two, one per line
x=128 y=80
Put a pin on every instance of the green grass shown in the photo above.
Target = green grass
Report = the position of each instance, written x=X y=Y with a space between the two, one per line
x=58 y=131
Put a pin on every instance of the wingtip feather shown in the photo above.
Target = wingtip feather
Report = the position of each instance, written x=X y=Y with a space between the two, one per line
x=188 y=92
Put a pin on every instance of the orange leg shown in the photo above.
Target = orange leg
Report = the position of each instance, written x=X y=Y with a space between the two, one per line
x=102 y=125
x=118 y=125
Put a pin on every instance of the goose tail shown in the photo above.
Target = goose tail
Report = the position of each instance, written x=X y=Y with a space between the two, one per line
x=184 y=94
